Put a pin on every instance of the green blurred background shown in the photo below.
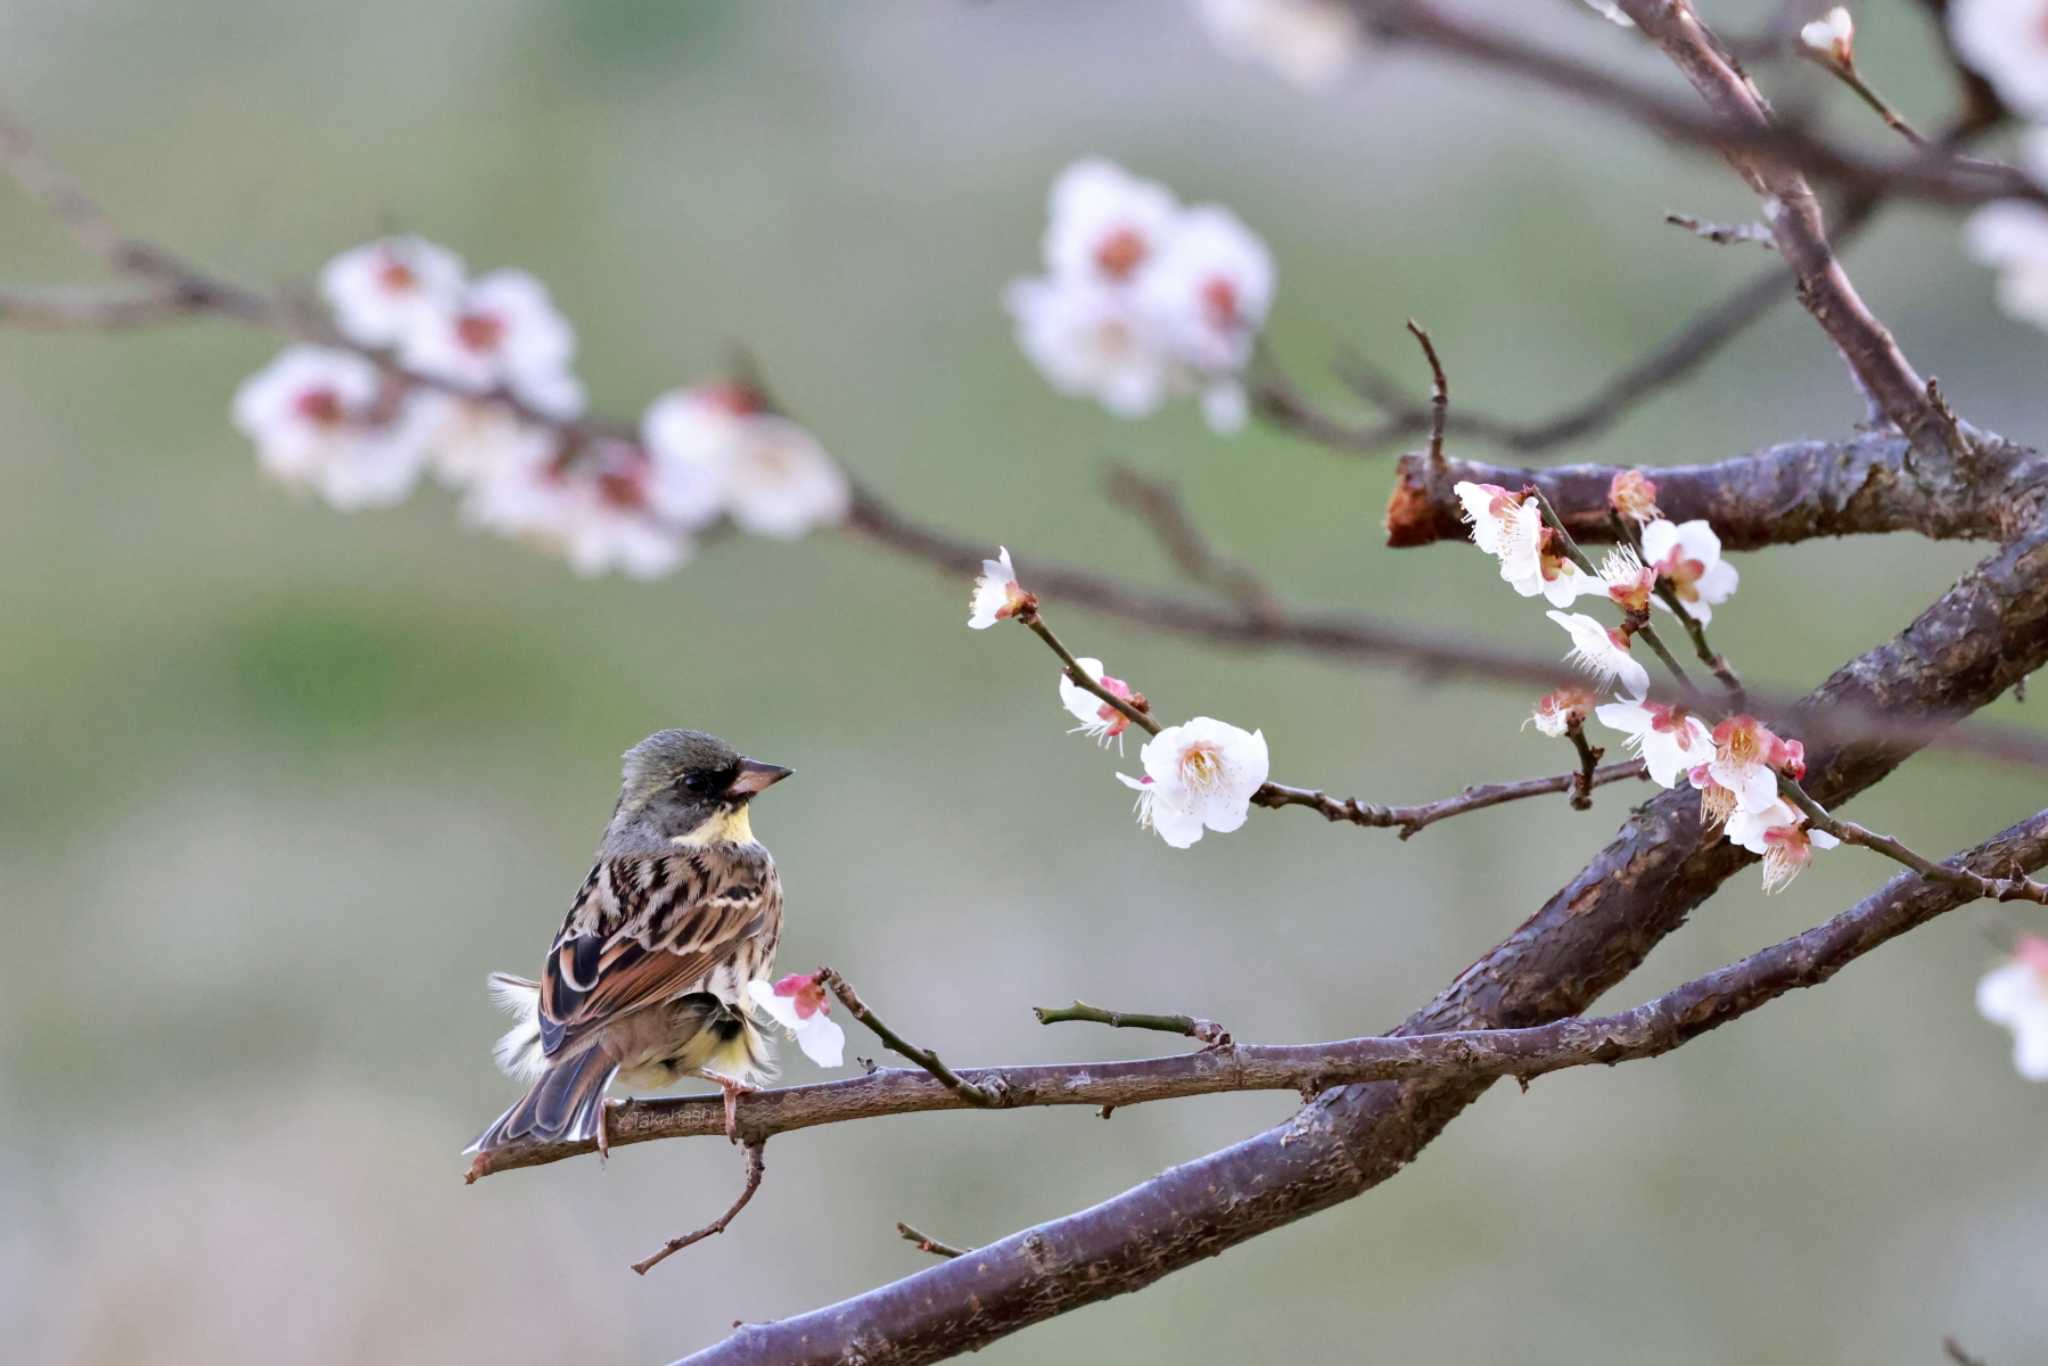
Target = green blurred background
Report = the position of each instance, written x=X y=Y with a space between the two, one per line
x=278 y=786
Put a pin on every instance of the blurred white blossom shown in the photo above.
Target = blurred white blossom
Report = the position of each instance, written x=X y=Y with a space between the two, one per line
x=500 y=332
x=2011 y=237
x=2015 y=994
x=594 y=512
x=384 y=291
x=323 y=419
x=1309 y=42
x=1143 y=300
x=2006 y=42
x=717 y=450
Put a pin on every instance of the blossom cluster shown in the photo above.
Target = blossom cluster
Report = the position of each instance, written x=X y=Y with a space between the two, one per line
x=1142 y=298
x=1198 y=776
x=2006 y=42
x=1735 y=765
x=471 y=380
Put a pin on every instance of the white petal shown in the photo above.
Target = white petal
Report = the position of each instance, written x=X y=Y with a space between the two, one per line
x=780 y=1008
x=822 y=1040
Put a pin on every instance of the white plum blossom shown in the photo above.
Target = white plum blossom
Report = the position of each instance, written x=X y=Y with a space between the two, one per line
x=1670 y=739
x=1100 y=722
x=323 y=419
x=594 y=512
x=474 y=441
x=1778 y=832
x=997 y=595
x=1747 y=760
x=1091 y=342
x=1105 y=224
x=1687 y=555
x=802 y=1006
x=1530 y=564
x=1143 y=300
x=1309 y=42
x=2012 y=238
x=383 y=291
x=1490 y=510
x=1629 y=582
x=1832 y=37
x=1603 y=653
x=2015 y=994
x=2006 y=42
x=501 y=332
x=1210 y=290
x=1557 y=712
x=1633 y=495
x=1200 y=775
x=717 y=449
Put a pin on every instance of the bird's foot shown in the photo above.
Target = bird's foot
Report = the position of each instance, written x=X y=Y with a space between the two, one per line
x=733 y=1091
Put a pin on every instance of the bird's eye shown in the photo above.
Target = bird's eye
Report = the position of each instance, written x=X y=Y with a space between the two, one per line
x=696 y=782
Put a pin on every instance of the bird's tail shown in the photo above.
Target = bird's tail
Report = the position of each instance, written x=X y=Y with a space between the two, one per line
x=565 y=1105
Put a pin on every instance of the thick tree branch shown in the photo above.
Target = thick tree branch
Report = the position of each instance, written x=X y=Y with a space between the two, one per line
x=1131 y=1240
x=1969 y=646
x=1793 y=214
x=1776 y=496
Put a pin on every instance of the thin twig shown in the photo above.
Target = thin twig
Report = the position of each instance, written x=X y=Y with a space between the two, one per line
x=971 y=1092
x=1439 y=395
x=1158 y=504
x=1849 y=832
x=1578 y=557
x=1650 y=1029
x=1139 y=716
x=1189 y=1026
x=1724 y=234
x=1589 y=766
x=755 y=1167
x=1953 y=1350
x=1410 y=819
x=926 y=1243
x=1716 y=662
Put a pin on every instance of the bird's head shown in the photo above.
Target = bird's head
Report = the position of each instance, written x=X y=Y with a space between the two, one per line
x=687 y=787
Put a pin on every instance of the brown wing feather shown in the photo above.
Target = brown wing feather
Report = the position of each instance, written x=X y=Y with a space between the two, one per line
x=645 y=930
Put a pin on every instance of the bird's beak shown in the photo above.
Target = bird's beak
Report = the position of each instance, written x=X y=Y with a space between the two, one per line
x=756 y=776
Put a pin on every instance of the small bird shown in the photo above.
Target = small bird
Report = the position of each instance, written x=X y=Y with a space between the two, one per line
x=647 y=979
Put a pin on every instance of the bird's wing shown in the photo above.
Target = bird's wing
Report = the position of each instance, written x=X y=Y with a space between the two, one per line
x=645 y=929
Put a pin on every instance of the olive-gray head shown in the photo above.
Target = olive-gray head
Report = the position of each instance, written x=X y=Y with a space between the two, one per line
x=683 y=786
